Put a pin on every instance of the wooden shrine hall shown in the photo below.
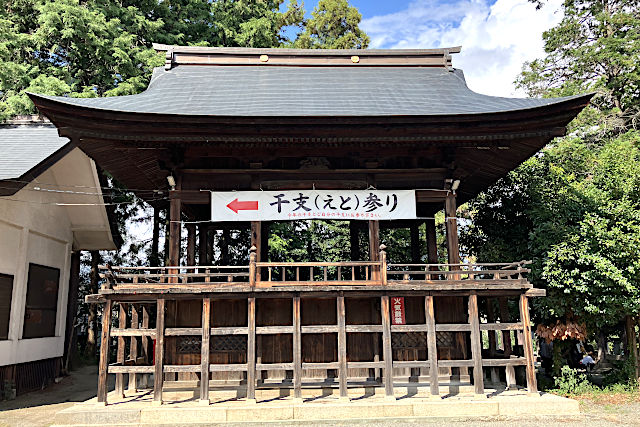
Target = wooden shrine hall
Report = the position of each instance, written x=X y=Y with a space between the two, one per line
x=398 y=130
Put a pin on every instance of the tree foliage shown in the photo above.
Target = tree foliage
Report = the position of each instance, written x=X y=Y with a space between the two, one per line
x=334 y=25
x=574 y=208
x=87 y=48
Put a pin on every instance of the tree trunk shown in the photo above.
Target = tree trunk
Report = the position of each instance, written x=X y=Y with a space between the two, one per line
x=602 y=345
x=92 y=321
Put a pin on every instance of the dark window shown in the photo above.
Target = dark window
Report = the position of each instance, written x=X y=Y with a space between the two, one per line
x=42 y=302
x=6 y=288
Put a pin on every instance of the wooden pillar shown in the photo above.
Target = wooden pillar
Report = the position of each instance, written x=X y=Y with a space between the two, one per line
x=387 y=352
x=342 y=346
x=159 y=355
x=297 y=348
x=104 y=353
x=432 y=241
x=204 y=351
x=264 y=244
x=414 y=233
x=225 y=238
x=374 y=247
x=354 y=241
x=491 y=318
x=251 y=349
x=476 y=344
x=432 y=345
x=453 y=248
x=528 y=344
x=203 y=231
x=133 y=348
x=72 y=308
x=256 y=241
x=175 y=209
x=191 y=244
x=146 y=344
x=122 y=324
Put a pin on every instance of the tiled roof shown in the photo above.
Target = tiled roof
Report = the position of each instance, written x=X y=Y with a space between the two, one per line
x=290 y=91
x=23 y=147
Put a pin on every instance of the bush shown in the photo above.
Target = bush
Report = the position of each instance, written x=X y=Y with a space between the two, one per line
x=570 y=381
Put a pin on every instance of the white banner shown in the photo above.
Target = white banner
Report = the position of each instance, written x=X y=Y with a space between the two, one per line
x=313 y=204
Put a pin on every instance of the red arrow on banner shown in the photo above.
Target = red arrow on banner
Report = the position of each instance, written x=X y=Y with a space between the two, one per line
x=243 y=206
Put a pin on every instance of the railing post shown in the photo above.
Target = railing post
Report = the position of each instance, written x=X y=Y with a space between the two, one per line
x=383 y=265
x=528 y=344
x=204 y=351
x=387 y=352
x=133 y=349
x=251 y=349
x=252 y=266
x=297 y=349
x=342 y=347
x=104 y=353
x=122 y=324
x=432 y=346
x=476 y=344
x=158 y=374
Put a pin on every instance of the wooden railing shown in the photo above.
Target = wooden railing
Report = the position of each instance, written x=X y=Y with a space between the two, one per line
x=348 y=273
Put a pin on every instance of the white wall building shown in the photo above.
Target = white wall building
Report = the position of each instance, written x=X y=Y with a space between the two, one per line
x=51 y=205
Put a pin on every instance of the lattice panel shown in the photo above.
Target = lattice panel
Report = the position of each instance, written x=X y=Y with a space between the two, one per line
x=224 y=343
x=409 y=340
x=230 y=343
x=189 y=345
x=444 y=339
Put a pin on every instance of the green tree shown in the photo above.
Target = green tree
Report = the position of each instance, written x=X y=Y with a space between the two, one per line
x=574 y=208
x=103 y=47
x=334 y=25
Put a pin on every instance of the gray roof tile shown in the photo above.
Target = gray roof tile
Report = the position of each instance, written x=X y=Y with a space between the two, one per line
x=308 y=91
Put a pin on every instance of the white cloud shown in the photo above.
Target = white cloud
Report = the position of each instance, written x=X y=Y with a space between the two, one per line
x=496 y=39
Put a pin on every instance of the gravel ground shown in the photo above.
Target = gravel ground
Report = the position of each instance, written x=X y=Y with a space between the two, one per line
x=39 y=408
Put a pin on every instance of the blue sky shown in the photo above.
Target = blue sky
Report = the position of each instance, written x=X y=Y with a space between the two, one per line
x=497 y=36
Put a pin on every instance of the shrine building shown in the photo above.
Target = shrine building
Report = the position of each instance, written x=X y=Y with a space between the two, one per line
x=238 y=138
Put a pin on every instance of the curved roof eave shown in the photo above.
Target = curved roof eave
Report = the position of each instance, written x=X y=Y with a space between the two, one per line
x=51 y=102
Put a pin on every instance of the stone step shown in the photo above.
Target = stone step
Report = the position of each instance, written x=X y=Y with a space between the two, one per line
x=143 y=412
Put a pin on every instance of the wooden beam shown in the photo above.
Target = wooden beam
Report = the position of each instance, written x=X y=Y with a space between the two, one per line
x=104 y=353
x=432 y=345
x=297 y=348
x=159 y=354
x=133 y=348
x=528 y=344
x=476 y=344
x=204 y=351
x=251 y=348
x=387 y=352
x=122 y=324
x=342 y=346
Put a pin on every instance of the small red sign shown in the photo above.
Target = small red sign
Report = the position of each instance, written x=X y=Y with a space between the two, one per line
x=397 y=311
